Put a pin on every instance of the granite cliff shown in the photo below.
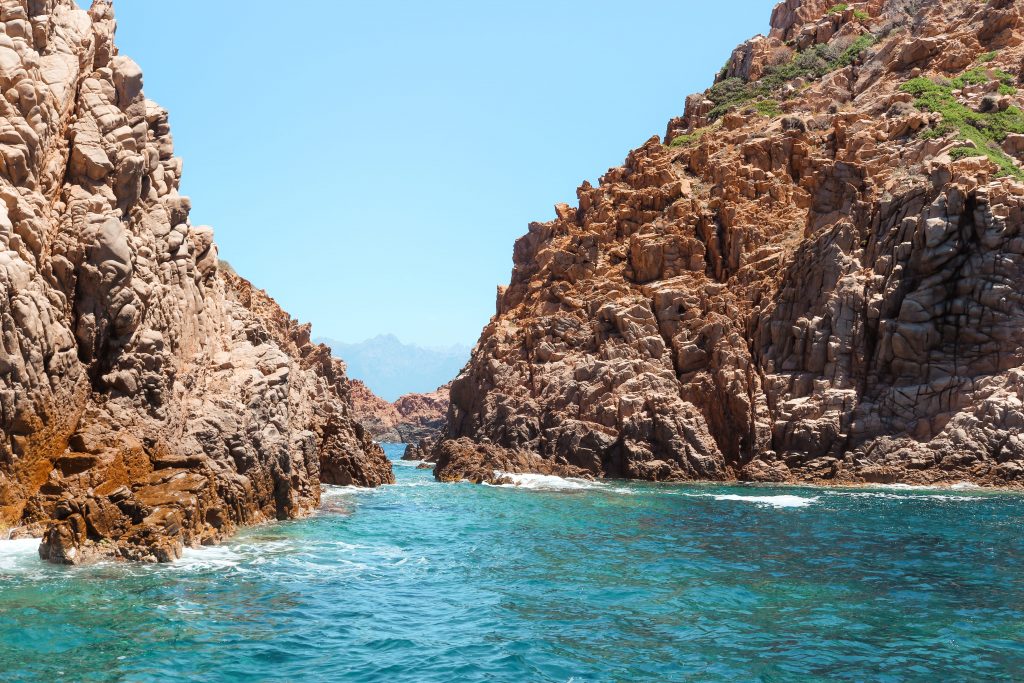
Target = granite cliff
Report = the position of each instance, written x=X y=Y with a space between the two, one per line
x=149 y=400
x=410 y=419
x=816 y=275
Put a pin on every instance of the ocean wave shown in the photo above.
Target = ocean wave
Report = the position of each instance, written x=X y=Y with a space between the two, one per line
x=779 y=501
x=917 y=493
x=208 y=557
x=907 y=487
x=547 y=482
x=16 y=554
x=332 y=491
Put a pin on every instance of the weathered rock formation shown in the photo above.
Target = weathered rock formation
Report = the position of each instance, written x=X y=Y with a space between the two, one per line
x=423 y=415
x=148 y=401
x=410 y=419
x=818 y=275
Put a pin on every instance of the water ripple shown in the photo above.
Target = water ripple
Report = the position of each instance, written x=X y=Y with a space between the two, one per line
x=550 y=580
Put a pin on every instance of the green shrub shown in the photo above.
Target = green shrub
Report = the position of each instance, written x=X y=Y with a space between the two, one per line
x=728 y=94
x=985 y=130
x=988 y=57
x=688 y=138
x=769 y=108
x=958 y=153
x=838 y=9
x=810 y=64
x=979 y=76
x=861 y=15
x=850 y=54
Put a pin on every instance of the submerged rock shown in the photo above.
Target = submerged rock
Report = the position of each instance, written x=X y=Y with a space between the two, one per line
x=801 y=282
x=149 y=399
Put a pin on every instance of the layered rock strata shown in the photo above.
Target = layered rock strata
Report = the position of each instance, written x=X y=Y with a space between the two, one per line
x=817 y=275
x=148 y=400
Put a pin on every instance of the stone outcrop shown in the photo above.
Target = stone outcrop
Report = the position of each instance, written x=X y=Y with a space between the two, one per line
x=410 y=419
x=378 y=417
x=482 y=463
x=148 y=399
x=423 y=415
x=817 y=276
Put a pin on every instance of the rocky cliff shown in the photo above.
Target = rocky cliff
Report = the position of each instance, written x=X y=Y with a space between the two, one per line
x=410 y=419
x=148 y=400
x=817 y=275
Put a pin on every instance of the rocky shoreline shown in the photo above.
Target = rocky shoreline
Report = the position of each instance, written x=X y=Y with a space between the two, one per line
x=149 y=399
x=815 y=276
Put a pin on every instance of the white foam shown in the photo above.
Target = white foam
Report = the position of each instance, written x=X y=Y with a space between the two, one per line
x=331 y=491
x=15 y=554
x=907 y=487
x=547 y=482
x=923 y=494
x=208 y=557
x=965 y=486
x=780 y=501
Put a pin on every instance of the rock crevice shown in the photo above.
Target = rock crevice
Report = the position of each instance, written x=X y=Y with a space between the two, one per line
x=816 y=276
x=149 y=398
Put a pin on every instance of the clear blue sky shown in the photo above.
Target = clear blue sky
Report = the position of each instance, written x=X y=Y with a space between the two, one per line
x=370 y=164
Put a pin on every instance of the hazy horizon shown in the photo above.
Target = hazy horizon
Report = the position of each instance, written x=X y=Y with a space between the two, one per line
x=374 y=175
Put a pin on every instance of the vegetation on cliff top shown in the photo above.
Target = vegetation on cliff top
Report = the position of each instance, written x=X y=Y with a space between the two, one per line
x=984 y=129
x=810 y=64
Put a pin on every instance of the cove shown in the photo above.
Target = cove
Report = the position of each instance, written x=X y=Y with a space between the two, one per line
x=551 y=580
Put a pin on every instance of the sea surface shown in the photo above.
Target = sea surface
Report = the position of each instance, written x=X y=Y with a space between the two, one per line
x=553 y=580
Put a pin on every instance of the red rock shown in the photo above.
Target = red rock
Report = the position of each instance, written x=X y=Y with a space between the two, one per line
x=150 y=399
x=410 y=419
x=823 y=296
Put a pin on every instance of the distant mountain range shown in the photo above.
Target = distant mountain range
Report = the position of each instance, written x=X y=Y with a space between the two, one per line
x=392 y=369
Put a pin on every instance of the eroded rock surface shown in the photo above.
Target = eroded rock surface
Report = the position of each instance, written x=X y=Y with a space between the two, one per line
x=818 y=275
x=148 y=399
x=411 y=419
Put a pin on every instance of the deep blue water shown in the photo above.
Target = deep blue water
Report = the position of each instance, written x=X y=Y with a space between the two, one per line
x=554 y=581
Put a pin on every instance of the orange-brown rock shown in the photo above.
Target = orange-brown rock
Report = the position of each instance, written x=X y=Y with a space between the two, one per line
x=423 y=415
x=483 y=463
x=149 y=399
x=410 y=419
x=378 y=417
x=805 y=285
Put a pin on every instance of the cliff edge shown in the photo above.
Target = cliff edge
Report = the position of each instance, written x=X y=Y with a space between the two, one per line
x=817 y=275
x=149 y=400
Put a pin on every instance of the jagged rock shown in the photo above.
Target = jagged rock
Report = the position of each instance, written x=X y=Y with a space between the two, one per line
x=149 y=401
x=378 y=417
x=422 y=451
x=465 y=460
x=820 y=294
x=410 y=419
x=422 y=415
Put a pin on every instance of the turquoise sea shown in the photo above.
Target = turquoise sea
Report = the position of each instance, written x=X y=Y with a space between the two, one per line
x=554 y=580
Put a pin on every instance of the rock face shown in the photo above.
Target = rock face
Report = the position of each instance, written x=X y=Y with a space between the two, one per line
x=423 y=415
x=817 y=276
x=148 y=401
x=410 y=419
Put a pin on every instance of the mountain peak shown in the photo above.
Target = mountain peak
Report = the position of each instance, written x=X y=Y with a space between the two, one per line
x=391 y=368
